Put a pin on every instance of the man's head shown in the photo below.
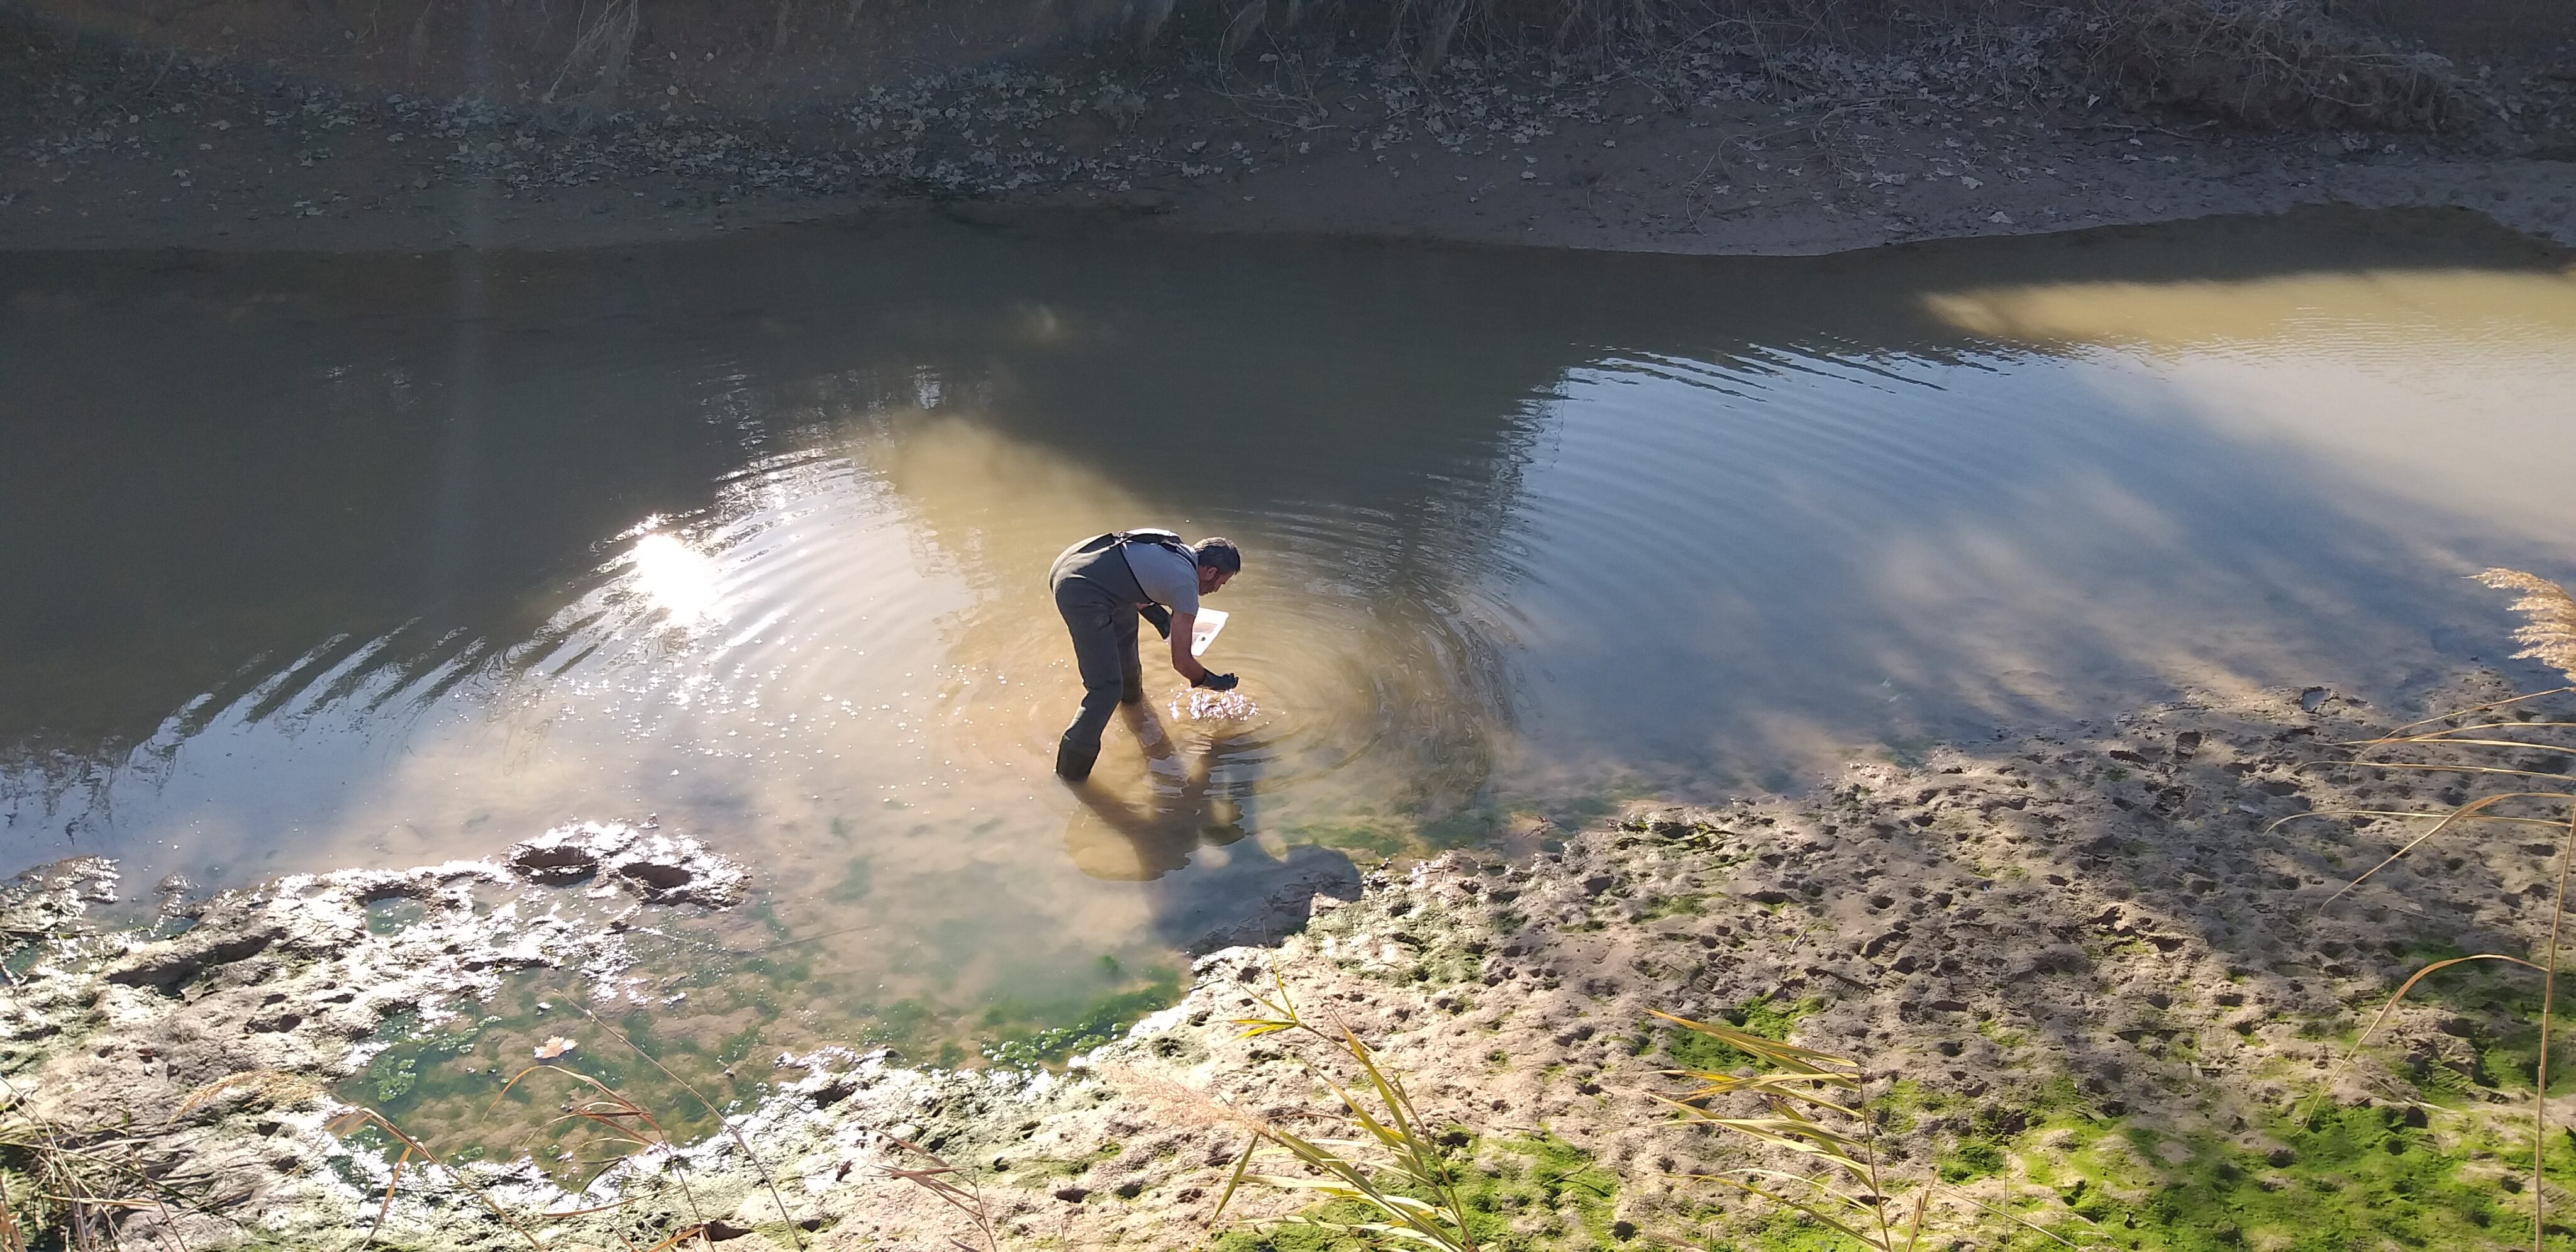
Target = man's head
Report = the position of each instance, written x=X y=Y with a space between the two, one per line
x=1219 y=560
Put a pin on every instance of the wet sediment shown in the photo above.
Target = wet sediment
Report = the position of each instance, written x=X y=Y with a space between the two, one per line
x=2090 y=973
x=1699 y=148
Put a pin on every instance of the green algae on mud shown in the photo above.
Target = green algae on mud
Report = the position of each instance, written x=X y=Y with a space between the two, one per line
x=475 y=1089
x=2129 y=1047
x=474 y=1086
x=2348 y=1177
x=2341 y=1179
x=1415 y=832
x=1693 y=1050
x=851 y=409
x=1103 y=1021
x=1519 y=1192
x=2490 y=1043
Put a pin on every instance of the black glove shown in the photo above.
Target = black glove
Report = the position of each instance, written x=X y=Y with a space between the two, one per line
x=1214 y=681
x=1158 y=615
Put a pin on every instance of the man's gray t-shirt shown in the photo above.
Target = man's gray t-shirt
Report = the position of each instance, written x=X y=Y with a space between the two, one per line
x=1170 y=578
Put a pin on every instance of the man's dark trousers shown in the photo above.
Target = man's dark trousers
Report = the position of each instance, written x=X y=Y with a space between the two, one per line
x=1097 y=594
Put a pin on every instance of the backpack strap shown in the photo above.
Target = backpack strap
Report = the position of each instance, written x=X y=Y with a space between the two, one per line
x=1159 y=538
x=1154 y=611
x=1164 y=538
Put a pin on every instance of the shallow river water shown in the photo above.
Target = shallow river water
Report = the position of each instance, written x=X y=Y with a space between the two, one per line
x=319 y=561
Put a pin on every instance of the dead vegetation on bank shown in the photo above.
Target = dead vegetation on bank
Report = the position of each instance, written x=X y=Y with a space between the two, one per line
x=2091 y=981
x=2264 y=63
x=2298 y=64
x=651 y=116
x=2502 y=748
x=2129 y=986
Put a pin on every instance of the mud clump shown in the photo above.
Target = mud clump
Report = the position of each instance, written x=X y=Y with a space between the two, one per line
x=2093 y=974
x=212 y=1048
x=167 y=967
x=659 y=868
x=45 y=899
x=2085 y=969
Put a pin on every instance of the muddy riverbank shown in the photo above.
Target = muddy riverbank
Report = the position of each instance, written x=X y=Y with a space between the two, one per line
x=2093 y=975
x=120 y=146
x=2093 y=972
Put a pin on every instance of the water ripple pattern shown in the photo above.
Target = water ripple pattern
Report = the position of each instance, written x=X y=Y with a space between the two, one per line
x=323 y=561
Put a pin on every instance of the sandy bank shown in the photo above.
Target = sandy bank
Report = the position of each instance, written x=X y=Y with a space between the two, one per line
x=2097 y=966
x=113 y=150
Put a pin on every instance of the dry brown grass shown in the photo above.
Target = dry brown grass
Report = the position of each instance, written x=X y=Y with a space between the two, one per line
x=1812 y=1110
x=622 y=1130
x=2486 y=742
x=956 y=1187
x=2263 y=62
x=74 y=1186
x=604 y=38
x=2258 y=62
x=1379 y=1155
x=1376 y=1153
x=2548 y=631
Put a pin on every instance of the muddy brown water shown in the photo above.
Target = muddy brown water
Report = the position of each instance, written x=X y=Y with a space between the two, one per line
x=320 y=561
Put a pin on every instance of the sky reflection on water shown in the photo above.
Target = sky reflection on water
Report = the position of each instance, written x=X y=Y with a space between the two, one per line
x=327 y=561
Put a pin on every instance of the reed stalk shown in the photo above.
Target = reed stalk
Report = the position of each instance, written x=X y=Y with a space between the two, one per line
x=628 y=1128
x=1813 y=1110
x=1383 y=1157
x=2453 y=742
x=65 y=1185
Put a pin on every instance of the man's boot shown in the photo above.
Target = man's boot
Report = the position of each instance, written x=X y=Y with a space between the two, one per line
x=1073 y=761
x=1132 y=691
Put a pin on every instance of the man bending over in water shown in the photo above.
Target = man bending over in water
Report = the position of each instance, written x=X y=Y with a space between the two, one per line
x=1102 y=585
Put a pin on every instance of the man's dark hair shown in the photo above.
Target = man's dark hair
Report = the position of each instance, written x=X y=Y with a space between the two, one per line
x=1219 y=553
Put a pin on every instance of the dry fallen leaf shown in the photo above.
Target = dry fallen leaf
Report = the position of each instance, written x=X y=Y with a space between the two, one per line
x=555 y=1047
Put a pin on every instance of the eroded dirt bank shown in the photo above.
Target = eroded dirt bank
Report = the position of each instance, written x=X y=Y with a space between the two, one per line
x=111 y=145
x=2094 y=974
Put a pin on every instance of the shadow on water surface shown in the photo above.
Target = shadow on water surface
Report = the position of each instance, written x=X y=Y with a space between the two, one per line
x=325 y=560
x=222 y=463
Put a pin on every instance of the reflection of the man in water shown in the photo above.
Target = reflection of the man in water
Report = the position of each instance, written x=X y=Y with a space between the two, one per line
x=1141 y=830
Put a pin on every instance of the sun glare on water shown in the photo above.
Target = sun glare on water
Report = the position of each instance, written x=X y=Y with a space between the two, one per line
x=1213 y=706
x=679 y=580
